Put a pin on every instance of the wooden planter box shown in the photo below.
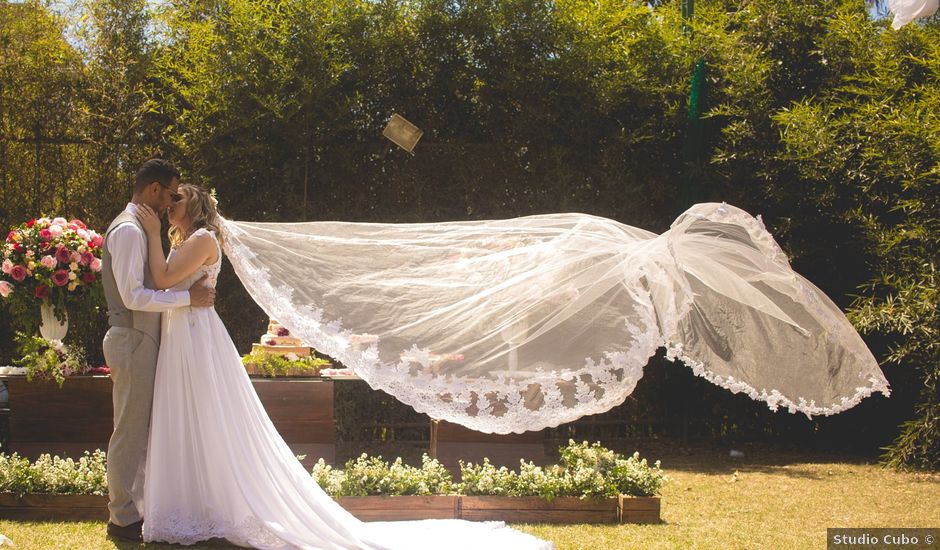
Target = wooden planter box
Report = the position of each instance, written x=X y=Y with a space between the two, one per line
x=387 y=508
x=539 y=510
x=397 y=508
x=640 y=509
x=54 y=507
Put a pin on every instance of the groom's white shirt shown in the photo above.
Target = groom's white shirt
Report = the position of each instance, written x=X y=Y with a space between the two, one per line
x=127 y=245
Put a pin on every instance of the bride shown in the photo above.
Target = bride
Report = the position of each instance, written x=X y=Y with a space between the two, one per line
x=216 y=466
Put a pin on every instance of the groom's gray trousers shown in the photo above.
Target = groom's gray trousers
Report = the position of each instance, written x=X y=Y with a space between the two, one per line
x=132 y=357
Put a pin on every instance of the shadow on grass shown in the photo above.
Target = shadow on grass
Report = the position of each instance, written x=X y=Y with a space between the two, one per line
x=713 y=457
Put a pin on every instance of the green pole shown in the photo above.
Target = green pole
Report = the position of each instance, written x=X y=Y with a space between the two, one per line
x=691 y=190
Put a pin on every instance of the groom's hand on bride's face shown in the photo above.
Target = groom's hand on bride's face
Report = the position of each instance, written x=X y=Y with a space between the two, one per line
x=200 y=295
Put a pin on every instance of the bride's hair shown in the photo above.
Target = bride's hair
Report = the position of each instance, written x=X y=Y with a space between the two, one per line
x=202 y=210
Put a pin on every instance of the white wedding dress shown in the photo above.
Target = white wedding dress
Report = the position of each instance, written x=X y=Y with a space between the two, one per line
x=217 y=467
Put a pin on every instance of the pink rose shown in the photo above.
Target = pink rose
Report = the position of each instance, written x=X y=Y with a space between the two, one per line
x=12 y=236
x=7 y=266
x=79 y=223
x=18 y=273
x=95 y=265
x=75 y=257
x=87 y=257
x=62 y=254
x=56 y=230
x=45 y=234
x=60 y=277
x=59 y=221
x=83 y=235
x=97 y=240
x=5 y=288
x=48 y=262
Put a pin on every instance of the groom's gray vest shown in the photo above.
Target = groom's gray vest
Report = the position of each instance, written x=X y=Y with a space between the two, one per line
x=118 y=313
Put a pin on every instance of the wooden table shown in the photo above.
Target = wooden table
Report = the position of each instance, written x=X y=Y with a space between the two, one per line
x=79 y=416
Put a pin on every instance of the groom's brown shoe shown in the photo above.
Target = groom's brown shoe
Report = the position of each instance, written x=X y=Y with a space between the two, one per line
x=130 y=533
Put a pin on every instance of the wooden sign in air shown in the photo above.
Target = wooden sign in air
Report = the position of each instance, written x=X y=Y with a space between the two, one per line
x=402 y=133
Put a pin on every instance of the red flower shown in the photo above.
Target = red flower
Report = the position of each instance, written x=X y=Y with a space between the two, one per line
x=11 y=236
x=45 y=234
x=60 y=277
x=62 y=254
x=281 y=331
x=87 y=257
x=42 y=292
x=17 y=247
x=31 y=222
x=18 y=273
x=88 y=277
x=97 y=241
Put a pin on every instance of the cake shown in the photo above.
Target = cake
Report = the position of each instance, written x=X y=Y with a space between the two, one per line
x=278 y=341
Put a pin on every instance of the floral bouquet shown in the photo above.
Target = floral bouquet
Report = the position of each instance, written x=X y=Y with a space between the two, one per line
x=49 y=360
x=52 y=262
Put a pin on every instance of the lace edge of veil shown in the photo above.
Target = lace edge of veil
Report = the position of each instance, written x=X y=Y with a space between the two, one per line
x=774 y=399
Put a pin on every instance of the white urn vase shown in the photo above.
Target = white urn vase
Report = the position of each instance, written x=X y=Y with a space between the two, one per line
x=50 y=327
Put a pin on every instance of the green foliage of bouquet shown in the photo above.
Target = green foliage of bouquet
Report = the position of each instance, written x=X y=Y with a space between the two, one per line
x=45 y=360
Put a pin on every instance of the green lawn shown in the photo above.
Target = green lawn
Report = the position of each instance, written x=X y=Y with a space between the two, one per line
x=765 y=500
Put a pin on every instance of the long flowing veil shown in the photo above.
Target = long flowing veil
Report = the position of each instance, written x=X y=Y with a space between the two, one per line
x=521 y=324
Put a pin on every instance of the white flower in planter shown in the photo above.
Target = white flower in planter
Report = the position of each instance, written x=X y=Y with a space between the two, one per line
x=906 y=11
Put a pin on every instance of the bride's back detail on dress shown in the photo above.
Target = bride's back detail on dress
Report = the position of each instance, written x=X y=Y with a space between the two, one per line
x=217 y=467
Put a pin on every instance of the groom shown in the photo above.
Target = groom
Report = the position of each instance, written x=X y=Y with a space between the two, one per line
x=131 y=344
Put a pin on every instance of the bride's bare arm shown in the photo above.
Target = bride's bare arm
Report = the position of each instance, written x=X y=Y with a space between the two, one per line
x=190 y=256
